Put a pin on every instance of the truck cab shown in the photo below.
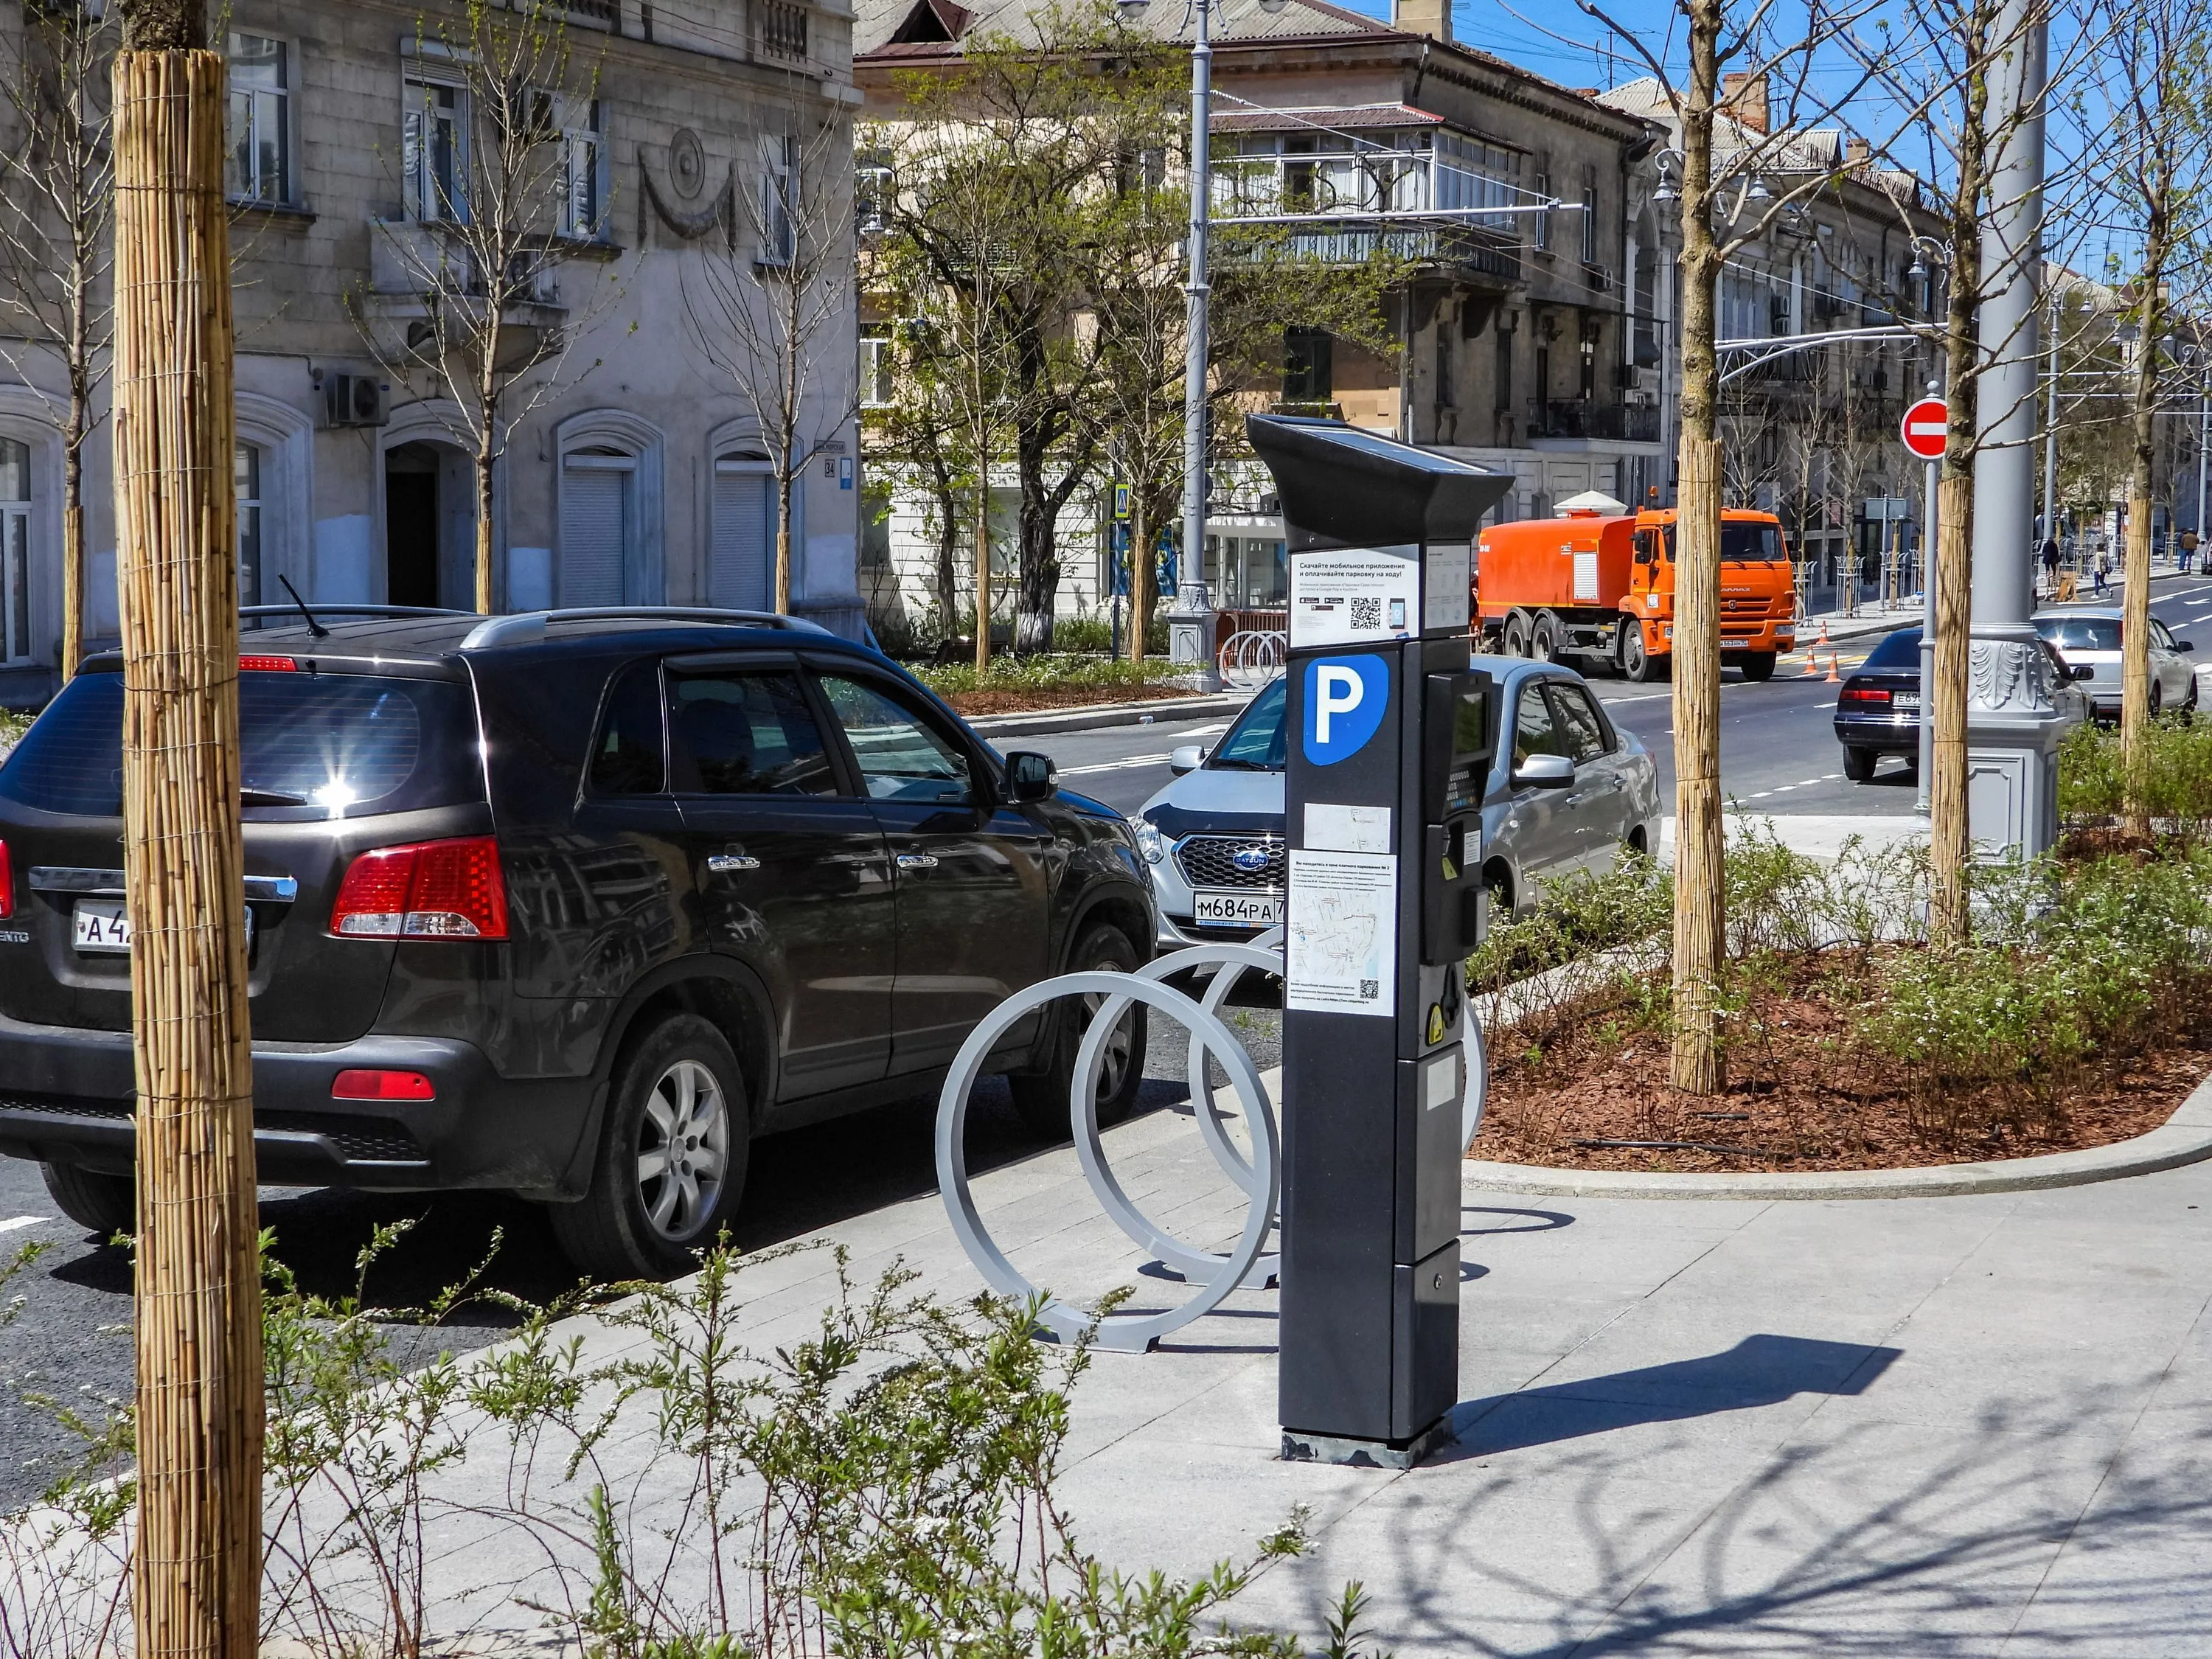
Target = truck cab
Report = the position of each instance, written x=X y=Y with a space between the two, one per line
x=1602 y=587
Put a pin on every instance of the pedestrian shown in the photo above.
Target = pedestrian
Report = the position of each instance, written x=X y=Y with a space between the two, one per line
x=2104 y=569
x=2049 y=567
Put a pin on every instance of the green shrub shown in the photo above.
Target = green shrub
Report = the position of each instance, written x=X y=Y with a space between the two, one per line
x=1973 y=1019
x=1045 y=673
x=2176 y=782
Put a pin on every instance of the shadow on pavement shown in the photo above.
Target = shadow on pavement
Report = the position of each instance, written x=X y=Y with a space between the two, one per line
x=1759 y=1370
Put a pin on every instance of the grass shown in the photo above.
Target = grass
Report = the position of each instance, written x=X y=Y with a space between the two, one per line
x=1044 y=673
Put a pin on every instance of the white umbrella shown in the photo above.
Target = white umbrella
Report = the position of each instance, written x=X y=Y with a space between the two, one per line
x=1590 y=501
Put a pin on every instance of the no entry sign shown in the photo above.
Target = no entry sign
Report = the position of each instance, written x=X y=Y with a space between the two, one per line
x=1925 y=426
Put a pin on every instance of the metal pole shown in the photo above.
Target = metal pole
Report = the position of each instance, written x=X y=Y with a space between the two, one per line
x=2012 y=256
x=1193 y=391
x=2203 y=440
x=1935 y=470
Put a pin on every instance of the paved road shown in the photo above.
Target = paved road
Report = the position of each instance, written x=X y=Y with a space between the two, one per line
x=1777 y=750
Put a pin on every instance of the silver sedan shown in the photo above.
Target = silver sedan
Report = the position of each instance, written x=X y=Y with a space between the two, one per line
x=1568 y=791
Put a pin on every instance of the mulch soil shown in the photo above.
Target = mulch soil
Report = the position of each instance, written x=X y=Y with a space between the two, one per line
x=1059 y=696
x=1802 y=1098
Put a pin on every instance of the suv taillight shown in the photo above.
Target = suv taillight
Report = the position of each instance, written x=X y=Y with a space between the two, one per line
x=426 y=890
x=7 y=883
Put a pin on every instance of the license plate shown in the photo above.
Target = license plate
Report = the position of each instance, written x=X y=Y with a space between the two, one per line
x=103 y=927
x=1735 y=645
x=1907 y=700
x=1225 y=907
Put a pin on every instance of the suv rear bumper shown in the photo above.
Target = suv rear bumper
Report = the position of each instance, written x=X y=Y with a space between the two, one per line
x=68 y=1093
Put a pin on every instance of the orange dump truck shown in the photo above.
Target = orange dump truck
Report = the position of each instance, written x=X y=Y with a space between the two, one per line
x=1597 y=587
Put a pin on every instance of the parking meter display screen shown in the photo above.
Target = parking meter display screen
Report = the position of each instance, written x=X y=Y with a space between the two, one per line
x=1470 y=723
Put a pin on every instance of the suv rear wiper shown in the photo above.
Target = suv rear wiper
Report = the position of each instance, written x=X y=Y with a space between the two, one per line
x=250 y=796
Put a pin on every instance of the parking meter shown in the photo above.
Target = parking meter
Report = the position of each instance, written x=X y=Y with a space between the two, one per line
x=1391 y=738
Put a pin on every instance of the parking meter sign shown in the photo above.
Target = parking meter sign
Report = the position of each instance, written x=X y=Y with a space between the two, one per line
x=1926 y=425
x=1345 y=700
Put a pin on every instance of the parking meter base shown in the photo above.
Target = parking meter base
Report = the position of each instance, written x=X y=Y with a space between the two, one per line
x=1353 y=1453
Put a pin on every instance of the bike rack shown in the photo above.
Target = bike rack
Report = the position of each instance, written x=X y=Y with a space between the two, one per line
x=1249 y=1264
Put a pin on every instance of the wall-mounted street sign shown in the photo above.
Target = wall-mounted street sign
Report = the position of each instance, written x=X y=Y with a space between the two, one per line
x=1925 y=427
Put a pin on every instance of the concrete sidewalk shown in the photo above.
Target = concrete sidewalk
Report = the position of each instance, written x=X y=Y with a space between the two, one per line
x=1963 y=1426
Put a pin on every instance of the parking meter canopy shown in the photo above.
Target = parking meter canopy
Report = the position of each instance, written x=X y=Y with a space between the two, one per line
x=1342 y=486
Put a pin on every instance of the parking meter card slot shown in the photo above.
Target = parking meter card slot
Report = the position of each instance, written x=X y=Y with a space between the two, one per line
x=1343 y=955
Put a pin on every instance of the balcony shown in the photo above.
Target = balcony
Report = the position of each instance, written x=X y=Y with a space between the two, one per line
x=1635 y=423
x=409 y=261
x=780 y=30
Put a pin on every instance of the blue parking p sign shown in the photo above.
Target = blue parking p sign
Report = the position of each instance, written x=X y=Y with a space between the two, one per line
x=1346 y=698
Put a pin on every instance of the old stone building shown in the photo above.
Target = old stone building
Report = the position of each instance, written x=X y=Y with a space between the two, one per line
x=634 y=472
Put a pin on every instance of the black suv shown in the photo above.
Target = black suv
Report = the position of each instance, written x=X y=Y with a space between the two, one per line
x=572 y=904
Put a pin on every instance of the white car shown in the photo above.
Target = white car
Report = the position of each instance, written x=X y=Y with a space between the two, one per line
x=2089 y=637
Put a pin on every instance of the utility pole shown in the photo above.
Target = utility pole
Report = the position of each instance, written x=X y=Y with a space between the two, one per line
x=1192 y=629
x=2050 y=424
x=1935 y=471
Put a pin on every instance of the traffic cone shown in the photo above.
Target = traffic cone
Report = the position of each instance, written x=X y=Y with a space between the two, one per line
x=1812 y=665
x=1833 y=676
x=1824 y=631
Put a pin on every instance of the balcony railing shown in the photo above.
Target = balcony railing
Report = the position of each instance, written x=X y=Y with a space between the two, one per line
x=1468 y=248
x=1620 y=423
x=779 y=29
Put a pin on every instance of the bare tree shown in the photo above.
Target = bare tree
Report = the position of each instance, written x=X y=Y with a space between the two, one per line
x=2151 y=96
x=501 y=178
x=773 y=310
x=57 y=197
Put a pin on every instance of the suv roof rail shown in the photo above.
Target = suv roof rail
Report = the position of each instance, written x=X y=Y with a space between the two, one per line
x=528 y=627
x=322 y=610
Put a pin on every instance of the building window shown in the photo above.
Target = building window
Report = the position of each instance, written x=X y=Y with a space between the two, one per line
x=575 y=123
x=741 y=559
x=1544 y=215
x=258 y=162
x=246 y=474
x=434 y=151
x=599 y=514
x=778 y=172
x=875 y=368
x=1589 y=215
x=875 y=528
x=15 y=550
x=1307 y=369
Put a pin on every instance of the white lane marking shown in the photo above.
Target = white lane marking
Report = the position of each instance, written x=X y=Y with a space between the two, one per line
x=1112 y=765
x=13 y=1222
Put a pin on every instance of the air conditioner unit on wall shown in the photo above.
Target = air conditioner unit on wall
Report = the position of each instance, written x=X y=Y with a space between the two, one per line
x=356 y=400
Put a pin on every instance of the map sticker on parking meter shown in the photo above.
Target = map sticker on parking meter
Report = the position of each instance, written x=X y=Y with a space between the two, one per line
x=1343 y=948
x=1345 y=700
x=1355 y=594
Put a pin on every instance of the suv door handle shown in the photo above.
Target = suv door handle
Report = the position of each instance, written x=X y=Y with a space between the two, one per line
x=916 y=861
x=723 y=864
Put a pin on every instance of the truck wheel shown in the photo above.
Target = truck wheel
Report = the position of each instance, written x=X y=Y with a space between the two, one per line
x=1637 y=664
x=1517 y=634
x=1758 y=665
x=1544 y=638
x=98 y=1203
x=1859 y=764
x=671 y=1160
x=1040 y=1096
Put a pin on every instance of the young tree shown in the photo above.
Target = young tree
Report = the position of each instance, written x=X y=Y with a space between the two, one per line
x=199 y=1408
x=772 y=309
x=56 y=192
x=2151 y=97
x=499 y=175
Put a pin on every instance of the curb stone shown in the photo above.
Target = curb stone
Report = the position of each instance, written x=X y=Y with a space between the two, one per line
x=2185 y=1138
x=1098 y=715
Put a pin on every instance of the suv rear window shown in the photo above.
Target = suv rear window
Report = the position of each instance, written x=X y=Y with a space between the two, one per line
x=313 y=746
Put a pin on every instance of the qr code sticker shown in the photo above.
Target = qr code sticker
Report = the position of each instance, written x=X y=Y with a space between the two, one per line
x=1367 y=613
x=1370 y=989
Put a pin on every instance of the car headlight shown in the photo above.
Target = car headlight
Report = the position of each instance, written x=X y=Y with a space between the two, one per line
x=1148 y=841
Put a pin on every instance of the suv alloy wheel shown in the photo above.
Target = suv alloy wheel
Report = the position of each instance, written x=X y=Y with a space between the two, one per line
x=1041 y=1097
x=98 y=1202
x=671 y=1160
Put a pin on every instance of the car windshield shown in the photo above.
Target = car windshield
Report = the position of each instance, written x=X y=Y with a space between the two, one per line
x=1254 y=743
x=2080 y=633
x=1742 y=543
x=1899 y=650
x=311 y=745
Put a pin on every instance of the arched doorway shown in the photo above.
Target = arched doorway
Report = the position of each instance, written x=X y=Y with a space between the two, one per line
x=741 y=562
x=429 y=525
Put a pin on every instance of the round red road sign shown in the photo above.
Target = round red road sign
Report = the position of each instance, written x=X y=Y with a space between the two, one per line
x=1926 y=423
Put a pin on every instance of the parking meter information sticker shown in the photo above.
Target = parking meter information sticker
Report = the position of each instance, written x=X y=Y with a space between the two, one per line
x=1347 y=829
x=1355 y=594
x=1444 y=588
x=1343 y=946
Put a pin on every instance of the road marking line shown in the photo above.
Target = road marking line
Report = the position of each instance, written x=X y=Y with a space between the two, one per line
x=13 y=1222
x=1112 y=766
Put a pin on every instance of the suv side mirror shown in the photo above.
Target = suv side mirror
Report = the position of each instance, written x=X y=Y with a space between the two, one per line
x=2184 y=645
x=1187 y=758
x=1545 y=772
x=1029 y=776
x=2083 y=671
